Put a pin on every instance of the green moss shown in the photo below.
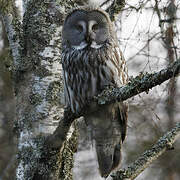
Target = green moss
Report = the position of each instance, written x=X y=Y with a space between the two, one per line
x=35 y=98
x=53 y=92
x=66 y=160
x=39 y=26
x=6 y=6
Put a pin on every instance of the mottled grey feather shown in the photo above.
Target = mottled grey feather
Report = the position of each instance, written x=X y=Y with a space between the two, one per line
x=92 y=60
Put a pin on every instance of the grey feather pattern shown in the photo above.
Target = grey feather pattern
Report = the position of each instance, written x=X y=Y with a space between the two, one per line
x=87 y=71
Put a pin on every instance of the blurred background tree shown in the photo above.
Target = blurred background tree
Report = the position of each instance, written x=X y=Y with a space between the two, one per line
x=7 y=111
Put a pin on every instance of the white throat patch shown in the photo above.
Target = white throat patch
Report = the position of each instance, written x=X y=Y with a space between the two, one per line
x=81 y=46
x=95 y=45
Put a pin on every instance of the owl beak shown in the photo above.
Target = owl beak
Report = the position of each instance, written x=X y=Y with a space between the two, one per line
x=92 y=43
x=88 y=39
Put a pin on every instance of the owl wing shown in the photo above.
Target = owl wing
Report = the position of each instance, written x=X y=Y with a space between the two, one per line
x=122 y=118
x=65 y=91
x=120 y=63
x=121 y=78
x=114 y=116
x=120 y=115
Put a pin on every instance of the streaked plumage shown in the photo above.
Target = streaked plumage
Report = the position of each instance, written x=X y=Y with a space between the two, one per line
x=92 y=60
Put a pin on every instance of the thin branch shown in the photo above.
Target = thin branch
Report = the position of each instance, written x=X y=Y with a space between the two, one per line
x=137 y=85
x=106 y=4
x=143 y=48
x=164 y=143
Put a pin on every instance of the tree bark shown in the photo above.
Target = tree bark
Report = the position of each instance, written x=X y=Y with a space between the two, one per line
x=7 y=111
x=38 y=84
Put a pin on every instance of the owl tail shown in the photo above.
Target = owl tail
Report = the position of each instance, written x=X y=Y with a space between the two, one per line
x=108 y=156
x=108 y=127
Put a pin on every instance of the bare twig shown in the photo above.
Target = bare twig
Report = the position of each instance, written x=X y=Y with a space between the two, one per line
x=107 y=4
x=164 y=143
x=142 y=83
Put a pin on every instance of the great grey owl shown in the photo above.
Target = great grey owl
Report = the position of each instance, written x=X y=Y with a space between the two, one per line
x=91 y=61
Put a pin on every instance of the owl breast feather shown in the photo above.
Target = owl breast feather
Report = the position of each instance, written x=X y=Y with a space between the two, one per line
x=87 y=72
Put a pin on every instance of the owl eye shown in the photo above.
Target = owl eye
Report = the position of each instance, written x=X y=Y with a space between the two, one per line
x=79 y=28
x=95 y=27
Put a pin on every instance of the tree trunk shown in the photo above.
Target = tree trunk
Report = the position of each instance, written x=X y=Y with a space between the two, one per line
x=7 y=107
x=171 y=56
x=39 y=89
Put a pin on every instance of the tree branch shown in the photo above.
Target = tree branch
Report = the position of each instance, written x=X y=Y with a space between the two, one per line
x=137 y=85
x=164 y=143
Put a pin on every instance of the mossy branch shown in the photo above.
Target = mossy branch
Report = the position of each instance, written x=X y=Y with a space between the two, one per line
x=164 y=143
x=137 y=85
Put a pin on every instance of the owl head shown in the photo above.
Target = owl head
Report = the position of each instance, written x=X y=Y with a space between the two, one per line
x=87 y=27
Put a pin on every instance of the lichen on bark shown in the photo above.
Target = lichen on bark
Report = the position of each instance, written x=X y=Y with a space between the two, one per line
x=40 y=92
